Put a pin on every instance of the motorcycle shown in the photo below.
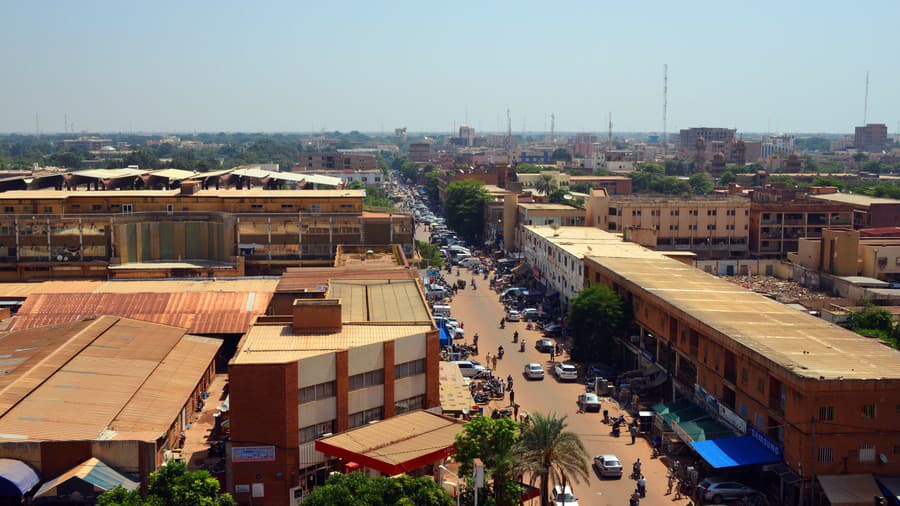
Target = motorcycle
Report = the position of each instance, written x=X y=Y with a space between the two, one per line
x=500 y=353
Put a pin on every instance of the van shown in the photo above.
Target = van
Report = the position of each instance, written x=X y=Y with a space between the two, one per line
x=441 y=310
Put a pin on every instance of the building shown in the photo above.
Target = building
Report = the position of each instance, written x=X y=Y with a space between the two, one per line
x=816 y=399
x=846 y=253
x=114 y=389
x=466 y=136
x=491 y=174
x=868 y=212
x=49 y=234
x=711 y=227
x=420 y=152
x=872 y=137
x=688 y=137
x=614 y=185
x=776 y=144
x=780 y=217
x=530 y=179
x=366 y=351
x=338 y=161
x=583 y=145
x=346 y=176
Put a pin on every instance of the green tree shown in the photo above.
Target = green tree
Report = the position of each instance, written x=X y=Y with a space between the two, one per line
x=357 y=489
x=529 y=168
x=492 y=440
x=700 y=184
x=596 y=316
x=728 y=177
x=581 y=188
x=561 y=154
x=551 y=453
x=355 y=185
x=67 y=159
x=172 y=485
x=871 y=320
x=430 y=254
x=545 y=184
x=142 y=159
x=432 y=181
x=557 y=196
x=464 y=206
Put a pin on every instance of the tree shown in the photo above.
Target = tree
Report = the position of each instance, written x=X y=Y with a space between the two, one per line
x=700 y=184
x=561 y=154
x=728 y=177
x=172 y=485
x=551 y=453
x=597 y=315
x=545 y=184
x=492 y=440
x=432 y=180
x=142 y=159
x=430 y=254
x=358 y=489
x=464 y=206
x=871 y=320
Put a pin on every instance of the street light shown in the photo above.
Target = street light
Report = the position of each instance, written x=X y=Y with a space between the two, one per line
x=443 y=468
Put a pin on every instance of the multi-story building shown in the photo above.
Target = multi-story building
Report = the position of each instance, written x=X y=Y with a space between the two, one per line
x=614 y=185
x=420 y=152
x=338 y=161
x=846 y=253
x=711 y=227
x=776 y=144
x=688 y=137
x=583 y=145
x=366 y=351
x=868 y=212
x=346 y=176
x=811 y=396
x=467 y=136
x=780 y=217
x=872 y=137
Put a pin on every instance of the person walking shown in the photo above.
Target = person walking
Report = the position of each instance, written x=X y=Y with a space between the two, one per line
x=512 y=397
x=494 y=360
x=515 y=408
x=670 y=484
x=488 y=360
x=632 y=429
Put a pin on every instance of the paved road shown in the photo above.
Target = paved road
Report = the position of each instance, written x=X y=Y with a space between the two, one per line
x=480 y=311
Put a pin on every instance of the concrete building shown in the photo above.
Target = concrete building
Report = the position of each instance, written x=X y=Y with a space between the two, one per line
x=845 y=253
x=688 y=137
x=114 y=389
x=365 y=352
x=338 y=161
x=614 y=185
x=530 y=179
x=780 y=217
x=420 y=152
x=347 y=176
x=868 y=212
x=711 y=227
x=815 y=398
x=872 y=137
x=583 y=145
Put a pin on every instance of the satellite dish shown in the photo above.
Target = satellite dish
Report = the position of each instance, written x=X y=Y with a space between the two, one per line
x=567 y=196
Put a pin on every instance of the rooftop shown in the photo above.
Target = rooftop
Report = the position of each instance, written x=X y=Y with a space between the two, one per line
x=807 y=346
x=581 y=179
x=382 y=300
x=106 y=378
x=550 y=207
x=133 y=286
x=313 y=278
x=584 y=241
x=855 y=199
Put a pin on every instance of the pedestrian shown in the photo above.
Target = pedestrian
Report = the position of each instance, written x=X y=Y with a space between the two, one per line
x=512 y=397
x=494 y=360
x=633 y=430
x=515 y=409
x=678 y=490
x=552 y=355
x=488 y=357
x=670 y=484
x=475 y=340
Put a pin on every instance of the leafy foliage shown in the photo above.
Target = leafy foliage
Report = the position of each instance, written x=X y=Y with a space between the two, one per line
x=430 y=254
x=432 y=179
x=561 y=154
x=464 y=206
x=493 y=440
x=529 y=168
x=700 y=184
x=357 y=489
x=551 y=453
x=172 y=485
x=652 y=178
x=596 y=316
x=545 y=184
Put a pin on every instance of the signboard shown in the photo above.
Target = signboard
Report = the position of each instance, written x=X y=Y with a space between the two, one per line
x=241 y=489
x=253 y=454
x=732 y=418
x=770 y=445
x=708 y=400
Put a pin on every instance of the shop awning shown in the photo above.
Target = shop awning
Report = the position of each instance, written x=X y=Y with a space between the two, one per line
x=734 y=452
x=93 y=471
x=16 y=478
x=849 y=489
x=705 y=429
x=890 y=488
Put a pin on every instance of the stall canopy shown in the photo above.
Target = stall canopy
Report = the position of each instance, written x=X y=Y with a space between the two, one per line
x=849 y=489
x=734 y=452
x=93 y=473
x=16 y=478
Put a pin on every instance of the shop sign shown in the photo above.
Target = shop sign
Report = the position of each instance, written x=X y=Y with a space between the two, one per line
x=732 y=418
x=253 y=454
x=770 y=445
x=708 y=400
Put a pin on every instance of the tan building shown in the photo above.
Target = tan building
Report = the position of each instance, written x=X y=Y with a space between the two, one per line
x=844 y=253
x=872 y=137
x=420 y=152
x=338 y=161
x=780 y=217
x=868 y=212
x=614 y=185
x=366 y=351
x=711 y=227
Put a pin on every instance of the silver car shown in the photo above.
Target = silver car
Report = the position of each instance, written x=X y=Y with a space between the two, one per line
x=534 y=371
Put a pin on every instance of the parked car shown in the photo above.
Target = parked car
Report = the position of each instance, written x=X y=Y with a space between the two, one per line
x=544 y=345
x=534 y=371
x=608 y=466
x=563 y=497
x=565 y=372
x=553 y=330
x=588 y=402
x=718 y=491
x=513 y=316
x=469 y=368
x=530 y=313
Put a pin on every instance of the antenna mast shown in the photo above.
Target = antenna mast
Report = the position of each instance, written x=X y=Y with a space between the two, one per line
x=665 y=140
x=552 y=128
x=609 y=134
x=508 y=138
x=866 y=101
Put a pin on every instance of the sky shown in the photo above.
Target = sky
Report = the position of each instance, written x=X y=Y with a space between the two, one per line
x=295 y=66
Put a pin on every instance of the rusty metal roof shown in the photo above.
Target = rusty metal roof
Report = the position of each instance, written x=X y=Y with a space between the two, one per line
x=105 y=378
x=199 y=312
x=140 y=286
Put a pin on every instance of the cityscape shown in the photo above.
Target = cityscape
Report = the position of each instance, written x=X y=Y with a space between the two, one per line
x=407 y=256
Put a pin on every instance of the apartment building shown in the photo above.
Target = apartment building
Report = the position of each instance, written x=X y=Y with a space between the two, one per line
x=821 y=400
x=614 y=185
x=846 y=253
x=420 y=152
x=186 y=231
x=688 y=137
x=872 y=137
x=868 y=212
x=336 y=160
x=365 y=352
x=780 y=217
x=711 y=227
x=347 y=176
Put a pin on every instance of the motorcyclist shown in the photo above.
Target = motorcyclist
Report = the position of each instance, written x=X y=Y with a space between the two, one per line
x=636 y=468
x=500 y=351
x=642 y=486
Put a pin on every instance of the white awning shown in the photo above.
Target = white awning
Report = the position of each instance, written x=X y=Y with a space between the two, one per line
x=849 y=489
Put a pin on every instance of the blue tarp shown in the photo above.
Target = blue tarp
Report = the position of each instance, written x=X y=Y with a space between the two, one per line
x=445 y=336
x=16 y=478
x=734 y=452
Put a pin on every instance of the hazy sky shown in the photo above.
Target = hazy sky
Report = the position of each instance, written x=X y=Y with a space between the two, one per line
x=789 y=65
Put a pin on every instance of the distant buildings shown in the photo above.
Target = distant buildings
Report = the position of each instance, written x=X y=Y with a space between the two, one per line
x=688 y=137
x=338 y=161
x=583 y=145
x=872 y=137
x=420 y=151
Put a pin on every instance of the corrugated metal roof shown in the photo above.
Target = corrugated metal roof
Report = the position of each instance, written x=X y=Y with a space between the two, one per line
x=308 y=278
x=141 y=286
x=94 y=471
x=174 y=174
x=199 y=312
x=82 y=380
x=383 y=300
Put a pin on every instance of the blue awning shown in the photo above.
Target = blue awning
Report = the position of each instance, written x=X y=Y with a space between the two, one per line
x=734 y=452
x=16 y=478
x=445 y=336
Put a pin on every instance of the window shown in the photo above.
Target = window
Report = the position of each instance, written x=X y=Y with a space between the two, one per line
x=9 y=209
x=287 y=206
x=48 y=210
x=868 y=411
x=761 y=385
x=742 y=410
x=407 y=405
x=612 y=211
x=364 y=417
x=826 y=455
x=826 y=413
x=317 y=392
x=411 y=368
x=127 y=209
x=97 y=207
x=759 y=421
x=256 y=206
x=316 y=431
x=867 y=453
x=367 y=379
x=745 y=377
x=710 y=212
x=315 y=208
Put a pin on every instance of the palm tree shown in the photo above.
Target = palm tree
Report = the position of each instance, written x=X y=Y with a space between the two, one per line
x=545 y=184
x=550 y=453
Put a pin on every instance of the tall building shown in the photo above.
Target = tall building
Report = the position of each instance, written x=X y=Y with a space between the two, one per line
x=780 y=217
x=872 y=137
x=467 y=134
x=583 y=145
x=420 y=151
x=688 y=137
x=338 y=161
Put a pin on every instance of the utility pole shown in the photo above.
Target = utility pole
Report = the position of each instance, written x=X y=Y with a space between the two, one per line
x=508 y=138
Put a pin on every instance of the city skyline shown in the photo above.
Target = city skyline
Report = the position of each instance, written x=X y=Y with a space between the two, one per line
x=105 y=67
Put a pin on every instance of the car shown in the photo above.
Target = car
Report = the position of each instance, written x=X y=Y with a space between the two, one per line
x=565 y=372
x=608 y=466
x=588 y=402
x=553 y=330
x=718 y=491
x=563 y=496
x=544 y=345
x=513 y=316
x=533 y=371
x=530 y=313
x=469 y=368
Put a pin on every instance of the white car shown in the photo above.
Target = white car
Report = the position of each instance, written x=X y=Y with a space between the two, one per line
x=561 y=497
x=533 y=371
x=513 y=316
x=608 y=466
x=565 y=372
x=469 y=368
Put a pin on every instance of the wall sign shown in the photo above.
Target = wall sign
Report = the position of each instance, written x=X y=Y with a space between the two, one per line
x=253 y=454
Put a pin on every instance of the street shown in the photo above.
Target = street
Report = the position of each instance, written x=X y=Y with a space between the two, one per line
x=480 y=312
